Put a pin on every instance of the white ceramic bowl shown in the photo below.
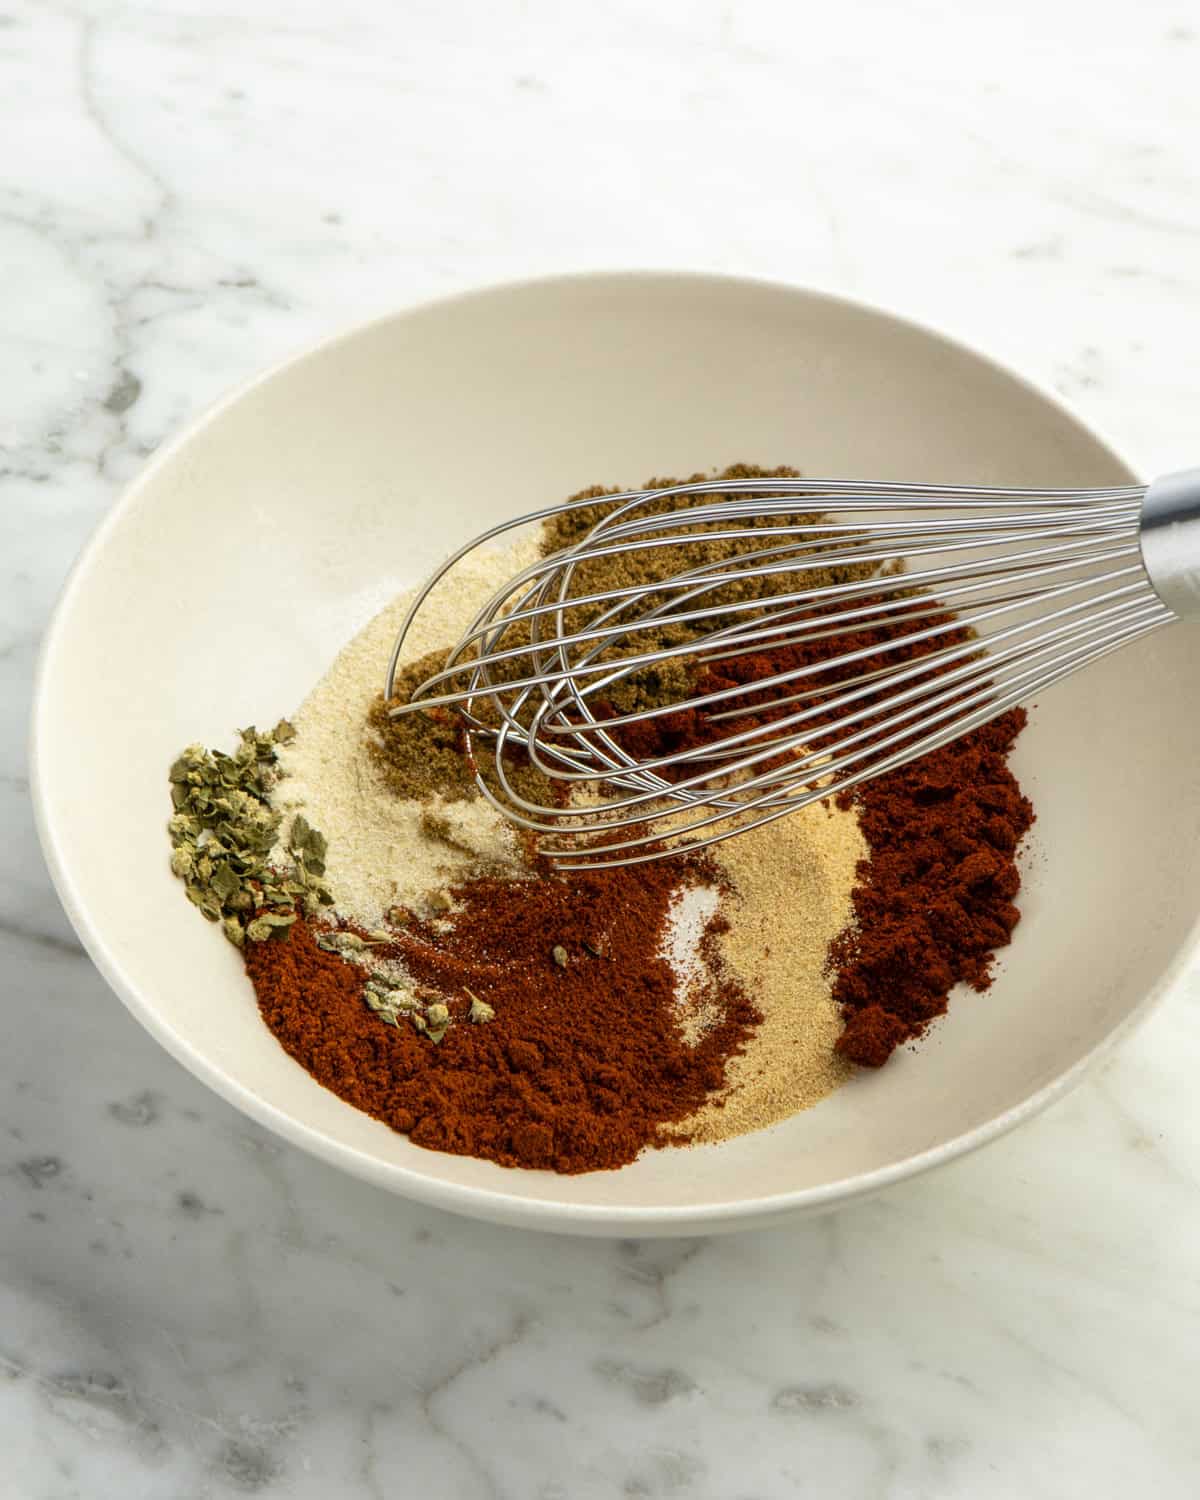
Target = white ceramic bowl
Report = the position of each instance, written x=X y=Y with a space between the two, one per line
x=219 y=588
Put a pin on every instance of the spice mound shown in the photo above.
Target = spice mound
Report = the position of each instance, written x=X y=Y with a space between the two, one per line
x=411 y=952
x=559 y=1045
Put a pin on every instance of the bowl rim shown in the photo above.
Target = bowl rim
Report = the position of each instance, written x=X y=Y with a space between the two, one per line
x=495 y=1204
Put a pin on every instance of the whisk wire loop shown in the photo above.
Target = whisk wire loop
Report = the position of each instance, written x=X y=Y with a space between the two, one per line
x=706 y=657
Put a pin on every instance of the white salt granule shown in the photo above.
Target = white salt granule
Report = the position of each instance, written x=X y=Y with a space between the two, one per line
x=692 y=908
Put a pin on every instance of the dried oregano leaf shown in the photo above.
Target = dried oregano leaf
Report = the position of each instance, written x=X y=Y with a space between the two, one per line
x=225 y=882
x=188 y=761
x=223 y=830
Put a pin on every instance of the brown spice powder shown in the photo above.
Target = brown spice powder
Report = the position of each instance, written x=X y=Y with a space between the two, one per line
x=423 y=754
x=420 y=755
x=669 y=681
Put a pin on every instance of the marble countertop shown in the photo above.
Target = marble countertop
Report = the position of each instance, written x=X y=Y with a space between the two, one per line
x=190 y=1308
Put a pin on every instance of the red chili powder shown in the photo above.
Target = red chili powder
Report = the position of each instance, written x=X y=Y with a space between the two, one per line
x=935 y=900
x=581 y=1065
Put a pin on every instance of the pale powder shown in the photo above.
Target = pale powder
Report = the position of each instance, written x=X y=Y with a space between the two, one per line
x=378 y=855
x=791 y=885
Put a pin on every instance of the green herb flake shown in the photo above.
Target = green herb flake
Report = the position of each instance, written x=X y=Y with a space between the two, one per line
x=225 y=882
x=223 y=830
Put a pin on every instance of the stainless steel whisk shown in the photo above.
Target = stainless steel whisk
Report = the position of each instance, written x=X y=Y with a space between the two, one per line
x=984 y=597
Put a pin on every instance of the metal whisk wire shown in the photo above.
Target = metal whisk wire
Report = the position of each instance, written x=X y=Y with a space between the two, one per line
x=953 y=604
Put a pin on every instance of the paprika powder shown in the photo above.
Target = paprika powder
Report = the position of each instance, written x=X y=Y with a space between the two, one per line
x=584 y=1060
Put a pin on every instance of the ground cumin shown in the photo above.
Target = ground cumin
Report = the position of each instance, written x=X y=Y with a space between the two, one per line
x=673 y=679
x=421 y=755
x=584 y=1062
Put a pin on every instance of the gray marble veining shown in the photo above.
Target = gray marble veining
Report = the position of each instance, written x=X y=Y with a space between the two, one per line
x=189 y=1308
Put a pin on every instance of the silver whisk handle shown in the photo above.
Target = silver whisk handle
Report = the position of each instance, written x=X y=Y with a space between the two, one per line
x=1170 y=540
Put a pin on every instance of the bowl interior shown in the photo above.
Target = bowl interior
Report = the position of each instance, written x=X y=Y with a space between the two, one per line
x=222 y=585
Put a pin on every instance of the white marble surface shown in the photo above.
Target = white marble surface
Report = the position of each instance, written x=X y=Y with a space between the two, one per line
x=191 y=1309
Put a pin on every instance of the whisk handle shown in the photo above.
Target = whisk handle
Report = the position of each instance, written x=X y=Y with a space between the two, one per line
x=1170 y=539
